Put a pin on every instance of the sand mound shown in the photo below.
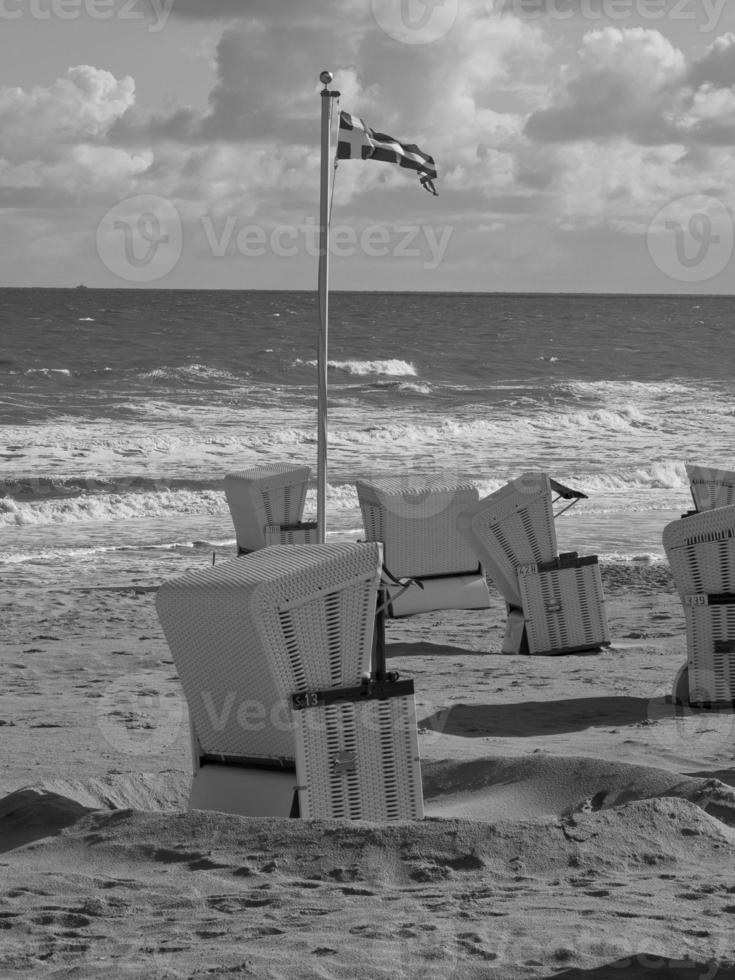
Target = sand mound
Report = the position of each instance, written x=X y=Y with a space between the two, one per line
x=29 y=814
x=540 y=786
x=120 y=791
x=164 y=895
x=645 y=832
x=491 y=790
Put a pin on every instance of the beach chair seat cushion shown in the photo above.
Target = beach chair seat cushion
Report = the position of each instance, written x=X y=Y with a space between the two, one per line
x=245 y=790
x=438 y=592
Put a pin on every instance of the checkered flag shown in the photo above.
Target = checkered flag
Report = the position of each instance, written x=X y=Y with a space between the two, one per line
x=357 y=141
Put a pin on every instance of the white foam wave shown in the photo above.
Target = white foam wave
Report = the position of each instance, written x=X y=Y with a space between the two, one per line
x=106 y=507
x=47 y=372
x=392 y=366
x=195 y=372
x=145 y=505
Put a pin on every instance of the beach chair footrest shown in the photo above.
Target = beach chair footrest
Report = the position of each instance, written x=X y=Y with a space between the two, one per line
x=462 y=591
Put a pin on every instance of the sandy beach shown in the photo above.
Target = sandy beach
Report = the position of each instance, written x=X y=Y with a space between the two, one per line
x=578 y=824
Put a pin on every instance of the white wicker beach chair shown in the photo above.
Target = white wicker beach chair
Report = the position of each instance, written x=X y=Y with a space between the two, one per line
x=555 y=602
x=701 y=553
x=415 y=519
x=711 y=487
x=267 y=503
x=248 y=634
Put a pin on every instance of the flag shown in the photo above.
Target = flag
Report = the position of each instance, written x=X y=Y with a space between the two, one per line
x=356 y=141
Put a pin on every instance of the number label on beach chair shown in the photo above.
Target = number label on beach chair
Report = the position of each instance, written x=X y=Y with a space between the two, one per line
x=697 y=600
x=309 y=699
x=530 y=569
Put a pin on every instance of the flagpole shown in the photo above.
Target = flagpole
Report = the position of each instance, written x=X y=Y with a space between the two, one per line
x=321 y=499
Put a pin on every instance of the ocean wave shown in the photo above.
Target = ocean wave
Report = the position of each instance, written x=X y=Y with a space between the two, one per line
x=199 y=373
x=140 y=501
x=47 y=372
x=132 y=502
x=49 y=488
x=110 y=507
x=391 y=366
x=409 y=387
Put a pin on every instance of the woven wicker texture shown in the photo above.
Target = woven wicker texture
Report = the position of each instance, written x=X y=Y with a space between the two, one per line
x=263 y=496
x=416 y=519
x=359 y=760
x=701 y=554
x=303 y=534
x=701 y=551
x=511 y=527
x=711 y=653
x=564 y=609
x=248 y=633
x=711 y=487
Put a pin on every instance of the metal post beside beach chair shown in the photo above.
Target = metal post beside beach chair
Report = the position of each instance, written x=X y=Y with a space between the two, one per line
x=415 y=519
x=711 y=487
x=274 y=651
x=555 y=602
x=701 y=553
x=267 y=503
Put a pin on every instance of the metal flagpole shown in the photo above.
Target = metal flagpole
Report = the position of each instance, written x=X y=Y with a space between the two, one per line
x=321 y=500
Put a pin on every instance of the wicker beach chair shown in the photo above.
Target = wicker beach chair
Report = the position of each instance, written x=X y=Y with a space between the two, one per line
x=701 y=553
x=266 y=504
x=555 y=602
x=710 y=487
x=415 y=519
x=249 y=635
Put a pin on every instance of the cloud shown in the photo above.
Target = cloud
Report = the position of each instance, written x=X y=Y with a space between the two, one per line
x=717 y=65
x=635 y=85
x=82 y=105
x=601 y=141
x=54 y=140
x=625 y=85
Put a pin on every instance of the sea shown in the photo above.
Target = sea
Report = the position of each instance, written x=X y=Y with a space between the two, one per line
x=122 y=410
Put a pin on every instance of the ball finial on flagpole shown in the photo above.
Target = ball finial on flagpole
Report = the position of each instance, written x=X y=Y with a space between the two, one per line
x=326 y=77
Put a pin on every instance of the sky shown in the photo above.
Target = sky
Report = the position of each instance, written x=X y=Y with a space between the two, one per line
x=581 y=145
